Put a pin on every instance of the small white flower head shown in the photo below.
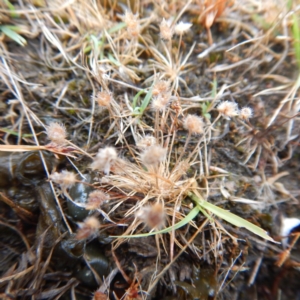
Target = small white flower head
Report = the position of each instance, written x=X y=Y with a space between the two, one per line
x=56 y=133
x=161 y=101
x=88 y=228
x=65 y=179
x=228 y=109
x=146 y=142
x=246 y=113
x=153 y=155
x=193 y=124
x=105 y=159
x=96 y=199
x=287 y=225
x=161 y=87
x=103 y=98
x=132 y=23
x=153 y=216
x=166 y=30
x=182 y=28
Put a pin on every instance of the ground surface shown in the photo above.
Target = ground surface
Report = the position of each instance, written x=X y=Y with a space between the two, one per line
x=82 y=64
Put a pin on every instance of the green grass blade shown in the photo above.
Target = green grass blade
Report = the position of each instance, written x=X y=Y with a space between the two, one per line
x=10 y=31
x=231 y=218
x=97 y=43
x=146 y=100
x=25 y=135
x=214 y=88
x=191 y=215
x=204 y=212
x=296 y=36
x=87 y=49
x=113 y=60
x=117 y=27
x=138 y=111
x=136 y=97
x=12 y=9
x=289 y=4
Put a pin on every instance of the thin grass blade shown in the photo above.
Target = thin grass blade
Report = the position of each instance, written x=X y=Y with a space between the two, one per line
x=10 y=31
x=231 y=218
x=188 y=218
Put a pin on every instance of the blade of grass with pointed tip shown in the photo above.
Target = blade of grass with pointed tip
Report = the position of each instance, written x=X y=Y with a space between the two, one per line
x=189 y=217
x=231 y=218
x=10 y=31
x=139 y=110
x=136 y=97
x=146 y=100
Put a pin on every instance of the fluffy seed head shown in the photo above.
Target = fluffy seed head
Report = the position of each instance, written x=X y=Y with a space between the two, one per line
x=161 y=101
x=161 y=86
x=228 y=109
x=65 y=179
x=166 y=31
x=153 y=216
x=96 y=199
x=246 y=113
x=105 y=159
x=56 y=133
x=132 y=23
x=193 y=124
x=182 y=27
x=88 y=228
x=146 y=142
x=153 y=155
x=103 y=98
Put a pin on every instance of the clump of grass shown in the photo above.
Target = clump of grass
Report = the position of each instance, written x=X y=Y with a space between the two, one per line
x=160 y=177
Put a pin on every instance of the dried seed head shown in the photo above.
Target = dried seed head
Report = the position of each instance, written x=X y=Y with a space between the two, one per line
x=96 y=199
x=153 y=216
x=161 y=101
x=166 y=31
x=176 y=107
x=182 y=28
x=228 y=109
x=105 y=159
x=56 y=133
x=100 y=296
x=146 y=142
x=103 y=98
x=88 y=228
x=193 y=124
x=132 y=23
x=65 y=179
x=246 y=113
x=161 y=86
x=153 y=155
